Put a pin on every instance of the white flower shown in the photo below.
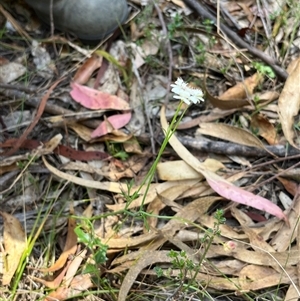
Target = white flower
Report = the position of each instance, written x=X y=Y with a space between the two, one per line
x=185 y=93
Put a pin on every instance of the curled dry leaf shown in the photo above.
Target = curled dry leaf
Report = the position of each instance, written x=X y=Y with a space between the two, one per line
x=242 y=90
x=224 y=104
x=14 y=243
x=85 y=71
x=95 y=99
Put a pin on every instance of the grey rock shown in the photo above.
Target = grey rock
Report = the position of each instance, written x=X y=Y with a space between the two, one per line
x=87 y=19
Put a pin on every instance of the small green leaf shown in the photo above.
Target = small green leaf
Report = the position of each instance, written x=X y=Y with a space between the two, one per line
x=100 y=256
x=83 y=236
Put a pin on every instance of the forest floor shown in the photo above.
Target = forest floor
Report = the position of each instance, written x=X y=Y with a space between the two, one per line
x=159 y=164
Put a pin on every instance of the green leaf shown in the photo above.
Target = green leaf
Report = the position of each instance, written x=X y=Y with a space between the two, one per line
x=83 y=236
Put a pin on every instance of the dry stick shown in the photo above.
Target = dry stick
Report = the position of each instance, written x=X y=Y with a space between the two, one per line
x=230 y=149
x=196 y=6
x=52 y=26
x=51 y=18
x=17 y=87
x=233 y=149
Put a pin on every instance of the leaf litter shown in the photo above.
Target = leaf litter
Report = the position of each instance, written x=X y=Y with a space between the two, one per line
x=102 y=159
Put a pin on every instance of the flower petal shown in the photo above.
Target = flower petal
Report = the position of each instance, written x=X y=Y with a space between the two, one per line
x=185 y=93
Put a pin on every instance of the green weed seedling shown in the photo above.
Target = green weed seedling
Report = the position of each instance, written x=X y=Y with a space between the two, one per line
x=264 y=69
x=86 y=236
x=177 y=23
x=115 y=149
x=187 y=267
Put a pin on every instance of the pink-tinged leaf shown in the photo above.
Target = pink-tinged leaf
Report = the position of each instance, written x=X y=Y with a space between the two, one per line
x=236 y=194
x=97 y=100
x=114 y=122
x=218 y=184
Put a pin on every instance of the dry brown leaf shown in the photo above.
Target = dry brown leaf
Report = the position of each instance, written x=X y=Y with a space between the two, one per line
x=152 y=194
x=289 y=185
x=289 y=104
x=85 y=71
x=264 y=128
x=180 y=170
x=170 y=203
x=69 y=249
x=286 y=235
x=269 y=228
x=292 y=65
x=82 y=282
x=251 y=271
x=176 y=170
x=243 y=219
x=109 y=186
x=79 y=284
x=128 y=169
x=264 y=277
x=55 y=283
x=14 y=243
x=293 y=293
x=241 y=284
x=188 y=214
x=242 y=90
x=82 y=131
x=157 y=205
x=143 y=261
x=110 y=171
x=7 y=168
x=284 y=259
x=74 y=266
x=218 y=283
x=116 y=136
x=235 y=97
x=121 y=243
x=227 y=231
x=179 y=3
x=133 y=146
x=212 y=115
x=228 y=266
x=230 y=133
x=224 y=104
x=257 y=241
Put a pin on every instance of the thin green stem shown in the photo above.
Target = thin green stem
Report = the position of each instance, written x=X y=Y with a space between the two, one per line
x=171 y=130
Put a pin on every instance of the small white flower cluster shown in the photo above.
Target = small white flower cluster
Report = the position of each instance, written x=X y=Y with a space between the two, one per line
x=185 y=93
